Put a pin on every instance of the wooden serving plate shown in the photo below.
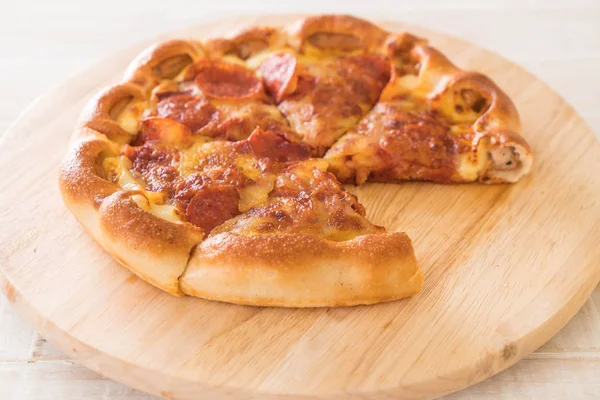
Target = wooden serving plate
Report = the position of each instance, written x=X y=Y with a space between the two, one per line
x=506 y=266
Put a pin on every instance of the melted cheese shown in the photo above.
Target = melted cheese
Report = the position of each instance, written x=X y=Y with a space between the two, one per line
x=129 y=118
x=305 y=170
x=255 y=195
x=181 y=75
x=286 y=215
x=247 y=163
x=408 y=82
x=317 y=65
x=163 y=211
x=255 y=60
x=233 y=59
x=118 y=170
x=165 y=86
x=248 y=110
x=402 y=86
x=469 y=169
x=190 y=159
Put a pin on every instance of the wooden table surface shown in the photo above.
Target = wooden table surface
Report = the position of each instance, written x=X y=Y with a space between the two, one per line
x=42 y=43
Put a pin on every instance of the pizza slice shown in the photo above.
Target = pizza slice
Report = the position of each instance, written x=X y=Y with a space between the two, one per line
x=220 y=99
x=132 y=224
x=215 y=98
x=433 y=122
x=307 y=245
x=189 y=178
x=259 y=195
x=326 y=78
x=148 y=204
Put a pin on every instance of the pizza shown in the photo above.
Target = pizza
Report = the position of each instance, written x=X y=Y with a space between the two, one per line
x=216 y=168
x=433 y=122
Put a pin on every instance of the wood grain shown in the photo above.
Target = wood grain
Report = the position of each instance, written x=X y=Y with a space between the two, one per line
x=506 y=267
x=576 y=346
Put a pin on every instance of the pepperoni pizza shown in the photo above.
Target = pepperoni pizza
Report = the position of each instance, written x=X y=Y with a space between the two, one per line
x=216 y=168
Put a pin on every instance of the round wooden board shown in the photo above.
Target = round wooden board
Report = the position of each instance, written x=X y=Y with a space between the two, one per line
x=505 y=266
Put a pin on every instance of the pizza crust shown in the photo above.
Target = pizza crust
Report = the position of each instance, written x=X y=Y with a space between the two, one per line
x=163 y=61
x=369 y=36
x=154 y=249
x=268 y=270
x=497 y=128
x=246 y=43
x=100 y=111
x=294 y=270
x=497 y=152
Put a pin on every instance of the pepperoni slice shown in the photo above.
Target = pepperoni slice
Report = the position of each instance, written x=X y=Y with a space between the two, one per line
x=279 y=74
x=236 y=128
x=239 y=127
x=335 y=41
x=155 y=165
x=145 y=157
x=212 y=206
x=271 y=145
x=370 y=66
x=366 y=75
x=163 y=130
x=222 y=80
x=193 y=112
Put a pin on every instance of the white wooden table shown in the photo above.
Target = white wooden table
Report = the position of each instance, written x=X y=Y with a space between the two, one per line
x=42 y=43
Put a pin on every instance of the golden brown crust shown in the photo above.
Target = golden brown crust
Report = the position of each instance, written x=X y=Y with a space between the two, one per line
x=246 y=42
x=79 y=177
x=99 y=115
x=497 y=151
x=499 y=124
x=303 y=270
x=163 y=61
x=369 y=36
x=154 y=249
